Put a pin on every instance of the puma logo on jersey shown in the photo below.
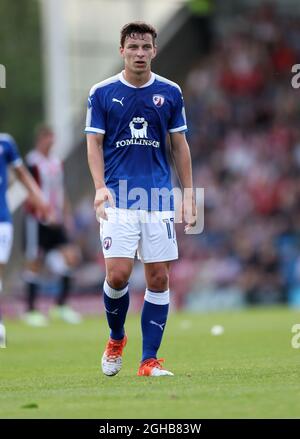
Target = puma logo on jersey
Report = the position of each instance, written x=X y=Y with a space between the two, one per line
x=138 y=127
x=161 y=325
x=119 y=101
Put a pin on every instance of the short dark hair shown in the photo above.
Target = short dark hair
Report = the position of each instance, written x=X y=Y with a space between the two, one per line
x=137 y=27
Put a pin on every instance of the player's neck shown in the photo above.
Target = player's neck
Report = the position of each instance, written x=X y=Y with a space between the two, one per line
x=135 y=79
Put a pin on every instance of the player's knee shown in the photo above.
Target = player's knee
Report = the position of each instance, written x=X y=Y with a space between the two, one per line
x=33 y=266
x=158 y=280
x=117 y=278
x=56 y=263
x=72 y=255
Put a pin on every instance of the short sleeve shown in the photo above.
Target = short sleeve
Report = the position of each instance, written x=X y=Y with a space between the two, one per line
x=95 y=117
x=178 y=119
x=12 y=153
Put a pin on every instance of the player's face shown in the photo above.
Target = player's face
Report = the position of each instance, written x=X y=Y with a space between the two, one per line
x=138 y=52
x=46 y=142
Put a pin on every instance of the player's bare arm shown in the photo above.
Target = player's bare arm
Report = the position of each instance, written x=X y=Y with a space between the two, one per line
x=35 y=194
x=96 y=165
x=182 y=158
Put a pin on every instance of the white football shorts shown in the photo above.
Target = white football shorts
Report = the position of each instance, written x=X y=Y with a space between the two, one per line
x=150 y=235
x=6 y=239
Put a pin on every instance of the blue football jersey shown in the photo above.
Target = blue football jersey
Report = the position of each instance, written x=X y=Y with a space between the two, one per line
x=135 y=122
x=8 y=155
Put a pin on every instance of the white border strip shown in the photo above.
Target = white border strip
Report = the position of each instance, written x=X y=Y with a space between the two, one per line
x=94 y=130
x=175 y=130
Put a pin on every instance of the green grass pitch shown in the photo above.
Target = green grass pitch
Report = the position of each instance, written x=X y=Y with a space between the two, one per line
x=251 y=371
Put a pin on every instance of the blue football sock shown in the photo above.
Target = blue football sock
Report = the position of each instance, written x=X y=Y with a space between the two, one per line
x=116 y=304
x=153 y=321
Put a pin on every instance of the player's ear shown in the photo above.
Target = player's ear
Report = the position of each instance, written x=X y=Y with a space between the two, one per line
x=121 y=49
x=154 y=52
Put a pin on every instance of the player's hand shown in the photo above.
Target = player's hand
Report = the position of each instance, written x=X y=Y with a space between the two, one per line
x=189 y=210
x=43 y=210
x=102 y=195
x=45 y=213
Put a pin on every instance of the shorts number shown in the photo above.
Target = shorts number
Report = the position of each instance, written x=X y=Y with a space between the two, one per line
x=170 y=227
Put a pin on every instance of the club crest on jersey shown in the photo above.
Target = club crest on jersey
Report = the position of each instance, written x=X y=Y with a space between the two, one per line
x=158 y=100
x=138 y=127
x=107 y=243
